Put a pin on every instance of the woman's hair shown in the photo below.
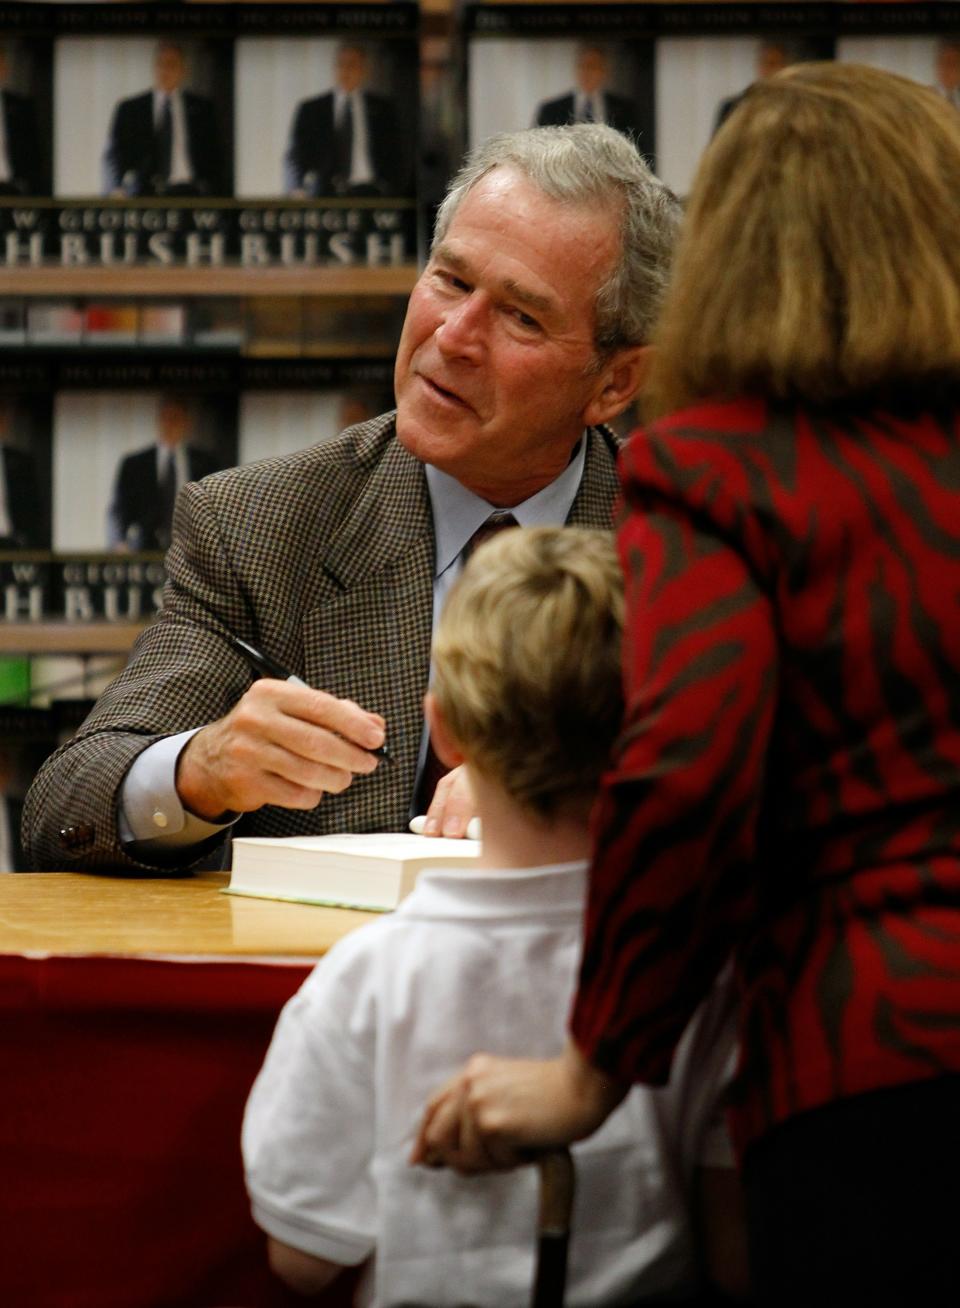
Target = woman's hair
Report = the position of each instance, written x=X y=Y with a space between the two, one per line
x=527 y=663
x=819 y=259
x=592 y=166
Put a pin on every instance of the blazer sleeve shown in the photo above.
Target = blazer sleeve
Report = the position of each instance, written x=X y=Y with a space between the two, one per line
x=181 y=674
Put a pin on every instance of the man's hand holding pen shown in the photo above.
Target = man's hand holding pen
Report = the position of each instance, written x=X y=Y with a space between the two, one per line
x=282 y=743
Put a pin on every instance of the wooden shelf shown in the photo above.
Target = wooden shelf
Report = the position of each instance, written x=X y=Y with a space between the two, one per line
x=68 y=637
x=323 y=280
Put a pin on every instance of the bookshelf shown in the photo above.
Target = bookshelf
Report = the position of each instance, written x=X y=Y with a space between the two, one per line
x=22 y=638
x=226 y=281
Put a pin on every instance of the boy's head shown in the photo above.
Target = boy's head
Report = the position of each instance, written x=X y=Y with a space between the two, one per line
x=527 y=678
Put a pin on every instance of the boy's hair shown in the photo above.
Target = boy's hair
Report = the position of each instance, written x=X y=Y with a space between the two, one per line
x=527 y=663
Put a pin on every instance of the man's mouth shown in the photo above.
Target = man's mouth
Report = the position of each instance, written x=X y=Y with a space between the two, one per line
x=444 y=392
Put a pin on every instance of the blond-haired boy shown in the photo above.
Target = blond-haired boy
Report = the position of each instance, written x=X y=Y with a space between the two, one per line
x=527 y=694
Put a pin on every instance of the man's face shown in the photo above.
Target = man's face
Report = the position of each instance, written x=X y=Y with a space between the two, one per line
x=770 y=59
x=173 y=423
x=351 y=69
x=168 y=68
x=492 y=378
x=354 y=409
x=948 y=67
x=591 y=71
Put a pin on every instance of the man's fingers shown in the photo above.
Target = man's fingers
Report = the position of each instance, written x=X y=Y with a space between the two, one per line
x=268 y=696
x=341 y=716
x=452 y=806
x=280 y=744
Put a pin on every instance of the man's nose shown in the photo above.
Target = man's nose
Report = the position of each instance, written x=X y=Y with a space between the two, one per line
x=462 y=329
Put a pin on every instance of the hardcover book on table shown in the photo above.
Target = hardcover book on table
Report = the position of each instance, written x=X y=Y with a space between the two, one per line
x=346 y=871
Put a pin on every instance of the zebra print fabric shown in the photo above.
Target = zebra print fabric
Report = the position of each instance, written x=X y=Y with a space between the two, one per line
x=787 y=783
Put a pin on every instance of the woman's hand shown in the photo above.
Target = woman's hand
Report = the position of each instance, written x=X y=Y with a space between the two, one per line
x=496 y=1112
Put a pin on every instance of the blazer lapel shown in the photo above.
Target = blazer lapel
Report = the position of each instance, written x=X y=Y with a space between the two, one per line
x=593 y=506
x=367 y=637
x=366 y=634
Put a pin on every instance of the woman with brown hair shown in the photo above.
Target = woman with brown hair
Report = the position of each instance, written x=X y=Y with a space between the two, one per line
x=787 y=784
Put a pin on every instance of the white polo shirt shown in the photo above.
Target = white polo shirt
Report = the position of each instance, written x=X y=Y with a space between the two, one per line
x=472 y=960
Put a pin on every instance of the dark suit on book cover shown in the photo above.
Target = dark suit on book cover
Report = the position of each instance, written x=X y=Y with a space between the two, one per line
x=134 y=159
x=725 y=108
x=25 y=510
x=141 y=509
x=319 y=153
x=618 y=111
x=23 y=144
x=328 y=555
x=14 y=814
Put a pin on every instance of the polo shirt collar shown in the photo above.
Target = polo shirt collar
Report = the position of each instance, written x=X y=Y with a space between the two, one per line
x=517 y=895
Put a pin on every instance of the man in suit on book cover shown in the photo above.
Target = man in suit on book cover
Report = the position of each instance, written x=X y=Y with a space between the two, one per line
x=525 y=334
x=19 y=141
x=141 y=510
x=346 y=141
x=11 y=809
x=947 y=70
x=591 y=101
x=22 y=517
x=18 y=762
x=165 y=140
x=772 y=55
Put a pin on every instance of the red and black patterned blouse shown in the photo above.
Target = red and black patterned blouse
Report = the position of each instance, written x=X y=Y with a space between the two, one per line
x=787 y=784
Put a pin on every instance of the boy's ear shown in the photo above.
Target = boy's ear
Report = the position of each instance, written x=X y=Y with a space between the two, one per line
x=444 y=745
x=620 y=382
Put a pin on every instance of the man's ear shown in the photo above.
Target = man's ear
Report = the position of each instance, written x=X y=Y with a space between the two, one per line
x=621 y=379
x=444 y=746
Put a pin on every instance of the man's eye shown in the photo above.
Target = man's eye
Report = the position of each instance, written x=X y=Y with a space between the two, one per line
x=452 y=280
x=525 y=320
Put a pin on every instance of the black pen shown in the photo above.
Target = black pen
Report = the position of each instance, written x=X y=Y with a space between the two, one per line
x=268 y=667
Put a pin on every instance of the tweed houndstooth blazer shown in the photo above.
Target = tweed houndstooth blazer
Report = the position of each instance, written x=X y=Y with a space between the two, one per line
x=324 y=560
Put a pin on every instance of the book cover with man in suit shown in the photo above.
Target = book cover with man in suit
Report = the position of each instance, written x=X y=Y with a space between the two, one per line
x=147 y=481
x=20 y=153
x=946 y=69
x=24 y=512
x=591 y=100
x=772 y=55
x=165 y=141
x=347 y=141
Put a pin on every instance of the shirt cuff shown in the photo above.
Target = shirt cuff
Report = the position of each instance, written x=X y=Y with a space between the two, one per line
x=150 y=813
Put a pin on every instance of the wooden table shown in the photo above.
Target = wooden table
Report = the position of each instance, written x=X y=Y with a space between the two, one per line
x=72 y=914
x=134 y=1017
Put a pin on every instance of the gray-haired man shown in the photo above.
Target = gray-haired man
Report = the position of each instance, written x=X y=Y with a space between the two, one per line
x=525 y=334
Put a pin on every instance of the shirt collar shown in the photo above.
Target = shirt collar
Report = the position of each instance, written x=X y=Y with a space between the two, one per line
x=160 y=96
x=457 y=512
x=536 y=894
